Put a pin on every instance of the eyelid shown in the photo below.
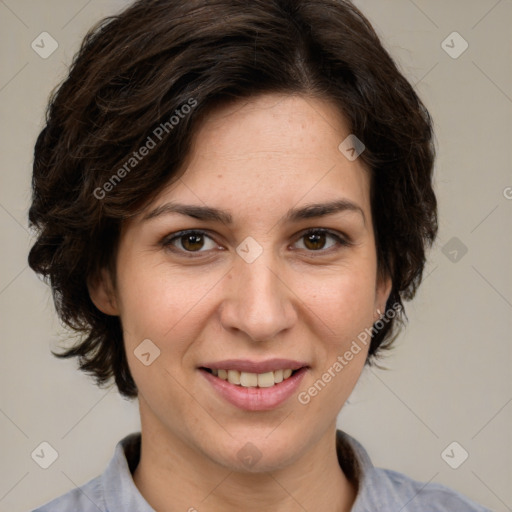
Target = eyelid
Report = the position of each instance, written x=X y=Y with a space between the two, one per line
x=342 y=240
x=168 y=239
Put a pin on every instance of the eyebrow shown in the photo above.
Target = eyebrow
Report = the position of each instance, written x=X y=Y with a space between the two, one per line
x=207 y=213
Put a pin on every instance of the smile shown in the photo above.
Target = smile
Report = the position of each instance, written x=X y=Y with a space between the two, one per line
x=253 y=380
x=253 y=390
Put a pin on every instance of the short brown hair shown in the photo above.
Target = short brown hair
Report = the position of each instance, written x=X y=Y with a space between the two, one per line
x=136 y=70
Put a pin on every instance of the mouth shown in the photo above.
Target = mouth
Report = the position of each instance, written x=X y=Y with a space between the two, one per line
x=255 y=390
x=252 y=380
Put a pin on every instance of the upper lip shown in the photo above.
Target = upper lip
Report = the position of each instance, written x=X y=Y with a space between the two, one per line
x=246 y=365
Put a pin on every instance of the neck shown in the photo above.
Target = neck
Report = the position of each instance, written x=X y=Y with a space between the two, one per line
x=172 y=475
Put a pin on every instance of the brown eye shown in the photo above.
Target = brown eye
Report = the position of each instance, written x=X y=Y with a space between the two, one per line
x=189 y=241
x=315 y=240
x=192 y=242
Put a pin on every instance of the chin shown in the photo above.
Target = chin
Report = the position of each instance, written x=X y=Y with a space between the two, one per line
x=256 y=450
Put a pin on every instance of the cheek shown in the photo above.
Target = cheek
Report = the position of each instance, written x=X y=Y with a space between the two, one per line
x=344 y=307
x=162 y=304
x=343 y=302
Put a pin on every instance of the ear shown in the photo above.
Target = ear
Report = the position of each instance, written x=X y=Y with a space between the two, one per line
x=102 y=293
x=382 y=292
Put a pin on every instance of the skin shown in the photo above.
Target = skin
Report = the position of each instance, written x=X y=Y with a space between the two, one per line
x=257 y=159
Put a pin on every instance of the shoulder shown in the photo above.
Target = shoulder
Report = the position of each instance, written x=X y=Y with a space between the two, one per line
x=388 y=490
x=385 y=485
x=111 y=491
x=87 y=498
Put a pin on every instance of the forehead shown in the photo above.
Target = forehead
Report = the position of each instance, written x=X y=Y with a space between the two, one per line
x=270 y=151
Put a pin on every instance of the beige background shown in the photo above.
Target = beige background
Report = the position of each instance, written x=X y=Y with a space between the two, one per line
x=450 y=376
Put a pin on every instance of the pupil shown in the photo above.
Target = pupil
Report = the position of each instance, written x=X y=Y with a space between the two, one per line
x=315 y=238
x=195 y=238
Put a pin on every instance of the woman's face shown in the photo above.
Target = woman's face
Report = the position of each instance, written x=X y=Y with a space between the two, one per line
x=270 y=290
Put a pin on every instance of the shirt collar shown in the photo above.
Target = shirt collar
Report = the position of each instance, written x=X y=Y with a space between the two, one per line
x=121 y=493
x=119 y=489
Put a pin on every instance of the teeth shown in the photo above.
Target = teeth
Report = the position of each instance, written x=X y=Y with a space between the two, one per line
x=253 y=380
x=248 y=380
x=266 y=380
x=234 y=376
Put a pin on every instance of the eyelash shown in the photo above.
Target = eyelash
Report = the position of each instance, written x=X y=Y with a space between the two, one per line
x=167 y=242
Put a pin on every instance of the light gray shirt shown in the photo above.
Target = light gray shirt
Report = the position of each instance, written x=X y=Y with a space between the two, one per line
x=379 y=490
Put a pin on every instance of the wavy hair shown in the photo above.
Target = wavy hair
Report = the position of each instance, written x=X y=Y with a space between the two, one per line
x=137 y=69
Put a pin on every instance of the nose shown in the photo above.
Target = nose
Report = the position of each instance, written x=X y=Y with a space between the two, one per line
x=259 y=302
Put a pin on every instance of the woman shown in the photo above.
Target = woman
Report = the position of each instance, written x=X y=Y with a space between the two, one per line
x=233 y=199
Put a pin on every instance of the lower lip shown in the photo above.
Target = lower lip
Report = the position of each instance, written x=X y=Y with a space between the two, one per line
x=256 y=399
